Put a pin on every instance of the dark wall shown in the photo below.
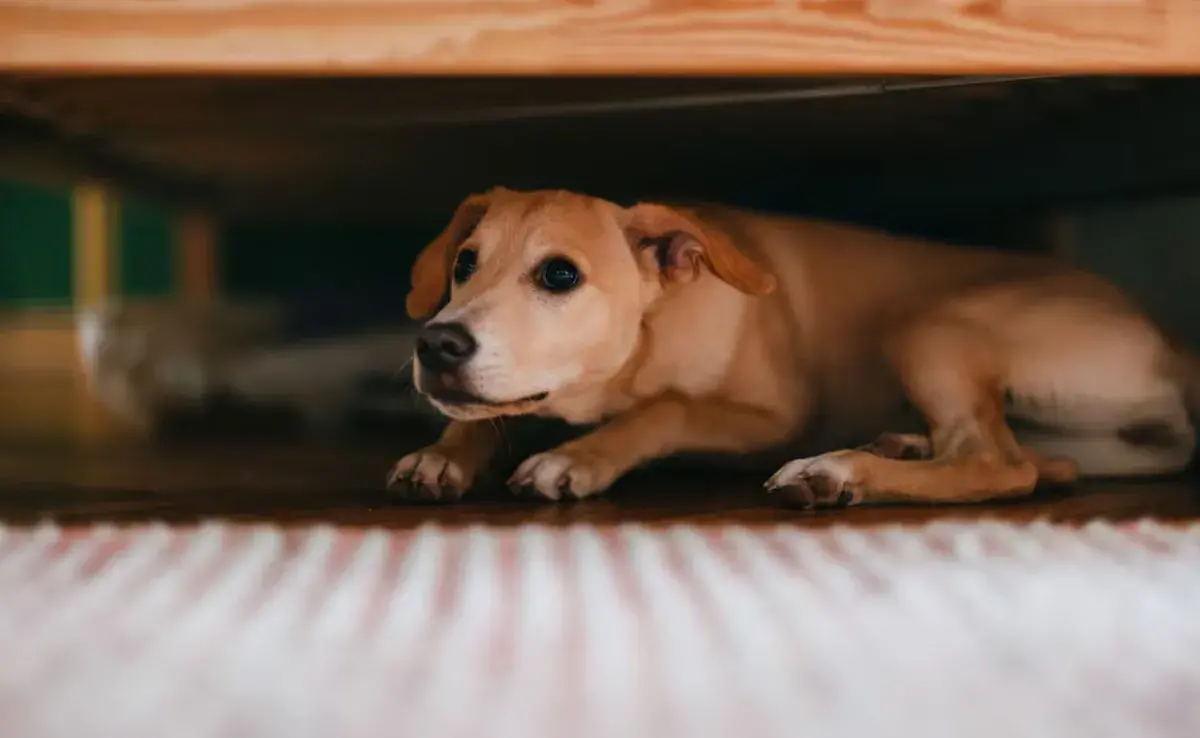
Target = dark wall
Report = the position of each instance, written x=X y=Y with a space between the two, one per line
x=285 y=258
x=1151 y=249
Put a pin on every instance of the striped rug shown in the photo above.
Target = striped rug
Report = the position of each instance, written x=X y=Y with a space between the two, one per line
x=949 y=630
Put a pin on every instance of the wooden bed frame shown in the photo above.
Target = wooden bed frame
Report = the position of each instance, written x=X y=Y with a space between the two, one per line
x=602 y=36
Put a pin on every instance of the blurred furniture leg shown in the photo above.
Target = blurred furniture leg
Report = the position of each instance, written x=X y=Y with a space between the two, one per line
x=196 y=256
x=95 y=217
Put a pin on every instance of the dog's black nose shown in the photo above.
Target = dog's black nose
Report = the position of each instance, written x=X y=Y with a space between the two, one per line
x=445 y=346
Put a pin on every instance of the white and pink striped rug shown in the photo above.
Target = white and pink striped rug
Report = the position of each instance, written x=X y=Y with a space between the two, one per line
x=946 y=631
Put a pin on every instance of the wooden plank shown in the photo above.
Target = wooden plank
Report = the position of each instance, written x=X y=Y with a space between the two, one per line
x=303 y=483
x=602 y=36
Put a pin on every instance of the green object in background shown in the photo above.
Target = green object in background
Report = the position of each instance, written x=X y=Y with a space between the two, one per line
x=35 y=245
x=36 y=259
x=147 y=257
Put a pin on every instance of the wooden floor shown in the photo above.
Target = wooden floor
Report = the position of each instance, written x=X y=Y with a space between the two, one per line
x=299 y=483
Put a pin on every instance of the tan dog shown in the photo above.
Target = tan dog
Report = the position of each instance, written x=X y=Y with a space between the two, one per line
x=718 y=330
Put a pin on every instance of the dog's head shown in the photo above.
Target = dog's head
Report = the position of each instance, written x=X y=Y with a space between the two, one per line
x=547 y=294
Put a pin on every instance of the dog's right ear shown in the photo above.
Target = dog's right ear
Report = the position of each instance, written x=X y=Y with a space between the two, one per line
x=680 y=243
x=431 y=272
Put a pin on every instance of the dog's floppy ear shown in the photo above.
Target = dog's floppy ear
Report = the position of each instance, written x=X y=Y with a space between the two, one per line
x=679 y=243
x=431 y=272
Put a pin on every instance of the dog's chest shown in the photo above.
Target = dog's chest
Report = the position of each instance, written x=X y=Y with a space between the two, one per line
x=589 y=406
x=691 y=341
x=684 y=374
x=653 y=380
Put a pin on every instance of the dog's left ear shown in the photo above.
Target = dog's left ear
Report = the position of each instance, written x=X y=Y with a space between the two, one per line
x=431 y=272
x=679 y=243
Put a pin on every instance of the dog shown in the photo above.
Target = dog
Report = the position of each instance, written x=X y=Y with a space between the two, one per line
x=909 y=371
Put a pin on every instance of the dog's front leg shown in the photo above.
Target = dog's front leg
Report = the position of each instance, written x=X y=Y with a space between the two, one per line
x=655 y=429
x=448 y=468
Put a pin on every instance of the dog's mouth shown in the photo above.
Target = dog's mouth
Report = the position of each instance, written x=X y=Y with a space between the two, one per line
x=460 y=398
x=450 y=395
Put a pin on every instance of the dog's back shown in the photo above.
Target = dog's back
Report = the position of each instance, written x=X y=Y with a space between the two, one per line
x=1085 y=374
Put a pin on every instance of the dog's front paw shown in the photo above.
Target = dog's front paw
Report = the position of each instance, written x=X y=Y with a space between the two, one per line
x=431 y=474
x=562 y=474
x=828 y=480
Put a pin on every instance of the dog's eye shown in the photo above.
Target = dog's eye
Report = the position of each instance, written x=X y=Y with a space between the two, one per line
x=464 y=265
x=558 y=275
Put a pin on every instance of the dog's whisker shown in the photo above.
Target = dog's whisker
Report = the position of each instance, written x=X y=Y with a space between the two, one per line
x=404 y=368
x=498 y=426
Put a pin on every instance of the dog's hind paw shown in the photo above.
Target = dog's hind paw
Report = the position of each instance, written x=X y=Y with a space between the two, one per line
x=903 y=446
x=562 y=474
x=828 y=480
x=430 y=475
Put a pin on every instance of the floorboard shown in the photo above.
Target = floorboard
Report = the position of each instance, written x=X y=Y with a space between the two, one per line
x=303 y=483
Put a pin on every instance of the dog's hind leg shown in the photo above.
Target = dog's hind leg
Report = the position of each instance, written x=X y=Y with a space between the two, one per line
x=907 y=446
x=1051 y=469
x=951 y=372
x=1132 y=450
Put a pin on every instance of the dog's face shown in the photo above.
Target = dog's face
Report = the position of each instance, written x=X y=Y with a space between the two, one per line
x=547 y=294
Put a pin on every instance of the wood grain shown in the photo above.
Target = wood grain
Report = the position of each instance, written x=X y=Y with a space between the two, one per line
x=602 y=36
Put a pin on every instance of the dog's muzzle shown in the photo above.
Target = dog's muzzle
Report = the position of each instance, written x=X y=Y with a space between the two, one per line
x=444 y=347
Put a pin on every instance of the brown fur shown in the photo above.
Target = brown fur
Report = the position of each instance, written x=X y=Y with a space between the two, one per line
x=712 y=329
